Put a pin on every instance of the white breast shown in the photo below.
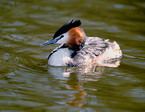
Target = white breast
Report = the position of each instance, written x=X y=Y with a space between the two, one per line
x=61 y=57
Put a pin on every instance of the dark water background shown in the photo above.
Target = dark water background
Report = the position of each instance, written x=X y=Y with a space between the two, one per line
x=27 y=84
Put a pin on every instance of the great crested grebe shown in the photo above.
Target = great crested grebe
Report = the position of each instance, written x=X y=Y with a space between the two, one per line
x=77 y=49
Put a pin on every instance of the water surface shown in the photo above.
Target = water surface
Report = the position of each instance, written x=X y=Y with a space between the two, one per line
x=27 y=83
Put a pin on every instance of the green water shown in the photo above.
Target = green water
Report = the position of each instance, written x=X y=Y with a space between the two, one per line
x=28 y=84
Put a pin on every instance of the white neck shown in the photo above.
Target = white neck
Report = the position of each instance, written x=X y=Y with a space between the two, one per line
x=62 y=57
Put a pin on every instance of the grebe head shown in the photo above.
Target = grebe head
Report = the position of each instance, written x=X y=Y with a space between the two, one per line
x=70 y=34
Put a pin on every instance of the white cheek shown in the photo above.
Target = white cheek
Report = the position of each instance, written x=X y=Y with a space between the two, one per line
x=64 y=39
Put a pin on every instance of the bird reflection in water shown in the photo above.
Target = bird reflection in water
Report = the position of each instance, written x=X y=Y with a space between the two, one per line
x=75 y=84
x=76 y=76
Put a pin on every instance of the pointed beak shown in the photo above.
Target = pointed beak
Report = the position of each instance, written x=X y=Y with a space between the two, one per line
x=51 y=41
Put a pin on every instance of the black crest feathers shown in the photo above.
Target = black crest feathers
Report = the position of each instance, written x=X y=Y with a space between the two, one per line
x=66 y=27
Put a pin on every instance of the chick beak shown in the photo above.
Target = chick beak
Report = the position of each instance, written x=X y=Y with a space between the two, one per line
x=51 y=41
